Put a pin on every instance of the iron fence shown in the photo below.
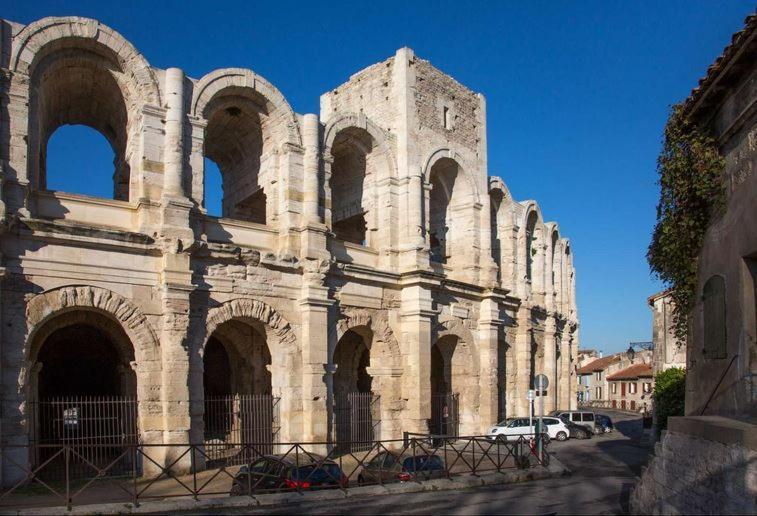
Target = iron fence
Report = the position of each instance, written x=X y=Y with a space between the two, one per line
x=172 y=470
x=95 y=428
x=356 y=420
x=239 y=418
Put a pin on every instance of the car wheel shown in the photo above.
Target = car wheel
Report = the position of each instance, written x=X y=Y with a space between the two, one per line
x=562 y=436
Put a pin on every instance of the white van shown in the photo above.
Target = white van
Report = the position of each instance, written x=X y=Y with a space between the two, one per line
x=579 y=417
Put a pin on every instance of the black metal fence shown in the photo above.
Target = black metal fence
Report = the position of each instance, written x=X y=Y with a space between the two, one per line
x=293 y=467
x=240 y=418
x=96 y=430
x=357 y=416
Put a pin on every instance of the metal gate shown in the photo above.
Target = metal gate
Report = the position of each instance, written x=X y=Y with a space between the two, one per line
x=357 y=417
x=445 y=414
x=97 y=429
x=234 y=422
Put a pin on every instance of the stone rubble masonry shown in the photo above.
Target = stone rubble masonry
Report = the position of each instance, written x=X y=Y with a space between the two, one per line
x=720 y=478
x=154 y=272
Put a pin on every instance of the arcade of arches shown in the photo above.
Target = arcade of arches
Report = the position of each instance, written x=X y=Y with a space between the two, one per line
x=363 y=253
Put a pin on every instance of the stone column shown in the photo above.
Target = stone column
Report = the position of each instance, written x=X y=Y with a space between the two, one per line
x=416 y=348
x=564 y=393
x=174 y=139
x=314 y=305
x=489 y=328
x=522 y=361
x=550 y=364
x=310 y=186
x=573 y=385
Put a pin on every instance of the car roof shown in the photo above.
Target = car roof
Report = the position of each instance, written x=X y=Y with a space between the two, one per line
x=300 y=459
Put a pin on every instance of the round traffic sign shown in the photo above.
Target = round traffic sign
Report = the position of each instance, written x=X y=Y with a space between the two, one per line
x=541 y=382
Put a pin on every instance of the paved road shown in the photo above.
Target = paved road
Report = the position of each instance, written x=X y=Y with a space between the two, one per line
x=604 y=471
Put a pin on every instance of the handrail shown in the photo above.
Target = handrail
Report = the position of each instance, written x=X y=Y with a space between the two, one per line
x=722 y=376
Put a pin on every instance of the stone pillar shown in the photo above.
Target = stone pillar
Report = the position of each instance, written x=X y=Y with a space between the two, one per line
x=176 y=280
x=416 y=348
x=572 y=378
x=174 y=139
x=314 y=305
x=550 y=364
x=489 y=328
x=310 y=186
x=564 y=393
x=522 y=361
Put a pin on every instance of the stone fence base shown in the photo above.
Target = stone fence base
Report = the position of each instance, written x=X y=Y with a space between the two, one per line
x=703 y=465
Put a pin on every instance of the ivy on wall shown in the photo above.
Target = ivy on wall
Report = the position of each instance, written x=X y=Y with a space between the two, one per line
x=691 y=190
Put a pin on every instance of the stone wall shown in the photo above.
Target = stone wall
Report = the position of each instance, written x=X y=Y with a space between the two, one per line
x=719 y=478
x=274 y=282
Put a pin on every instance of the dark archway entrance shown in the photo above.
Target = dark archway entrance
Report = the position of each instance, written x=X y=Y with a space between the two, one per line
x=356 y=408
x=240 y=414
x=445 y=401
x=83 y=396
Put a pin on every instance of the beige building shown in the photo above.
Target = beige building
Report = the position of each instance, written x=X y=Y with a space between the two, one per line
x=363 y=253
x=595 y=376
x=631 y=388
x=668 y=350
x=721 y=356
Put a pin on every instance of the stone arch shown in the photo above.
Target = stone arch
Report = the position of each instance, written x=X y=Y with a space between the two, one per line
x=453 y=196
x=358 y=161
x=47 y=305
x=385 y=367
x=533 y=240
x=284 y=352
x=502 y=221
x=246 y=125
x=32 y=42
x=80 y=72
x=464 y=366
x=218 y=80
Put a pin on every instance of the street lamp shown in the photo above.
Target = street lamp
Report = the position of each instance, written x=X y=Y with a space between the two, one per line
x=630 y=353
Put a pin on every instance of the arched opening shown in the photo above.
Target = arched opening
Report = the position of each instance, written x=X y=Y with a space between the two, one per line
x=83 y=392
x=353 y=156
x=531 y=249
x=238 y=403
x=356 y=410
x=238 y=142
x=447 y=379
x=450 y=219
x=555 y=261
x=76 y=157
x=495 y=202
x=502 y=379
x=213 y=186
x=79 y=87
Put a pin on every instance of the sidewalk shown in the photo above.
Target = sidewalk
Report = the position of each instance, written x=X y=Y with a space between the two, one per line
x=555 y=469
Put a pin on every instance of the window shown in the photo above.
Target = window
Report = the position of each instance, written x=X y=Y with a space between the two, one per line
x=447 y=117
x=614 y=388
x=598 y=376
x=713 y=313
x=598 y=393
x=632 y=387
x=647 y=387
x=575 y=416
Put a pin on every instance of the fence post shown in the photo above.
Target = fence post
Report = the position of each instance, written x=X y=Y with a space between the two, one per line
x=194 y=470
x=68 y=478
x=405 y=439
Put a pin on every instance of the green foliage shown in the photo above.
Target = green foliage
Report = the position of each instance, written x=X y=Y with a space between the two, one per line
x=691 y=190
x=669 y=395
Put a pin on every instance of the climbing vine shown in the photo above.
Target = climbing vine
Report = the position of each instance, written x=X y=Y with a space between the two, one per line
x=691 y=190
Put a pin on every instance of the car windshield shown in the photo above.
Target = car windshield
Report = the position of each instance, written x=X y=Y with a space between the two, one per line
x=314 y=473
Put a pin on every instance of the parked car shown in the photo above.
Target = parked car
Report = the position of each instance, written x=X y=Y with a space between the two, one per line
x=284 y=472
x=389 y=466
x=579 y=417
x=513 y=428
x=604 y=422
x=578 y=431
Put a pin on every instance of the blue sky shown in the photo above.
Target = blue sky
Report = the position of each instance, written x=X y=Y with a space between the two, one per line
x=577 y=96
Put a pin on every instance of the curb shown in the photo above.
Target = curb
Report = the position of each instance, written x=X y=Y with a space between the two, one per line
x=555 y=469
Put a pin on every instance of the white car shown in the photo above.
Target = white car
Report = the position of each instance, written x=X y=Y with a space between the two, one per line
x=515 y=427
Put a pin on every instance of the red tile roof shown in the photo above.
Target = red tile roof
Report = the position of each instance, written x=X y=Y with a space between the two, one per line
x=633 y=372
x=741 y=48
x=599 y=364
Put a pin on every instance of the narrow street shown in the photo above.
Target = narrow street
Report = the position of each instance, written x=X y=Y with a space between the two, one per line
x=604 y=471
